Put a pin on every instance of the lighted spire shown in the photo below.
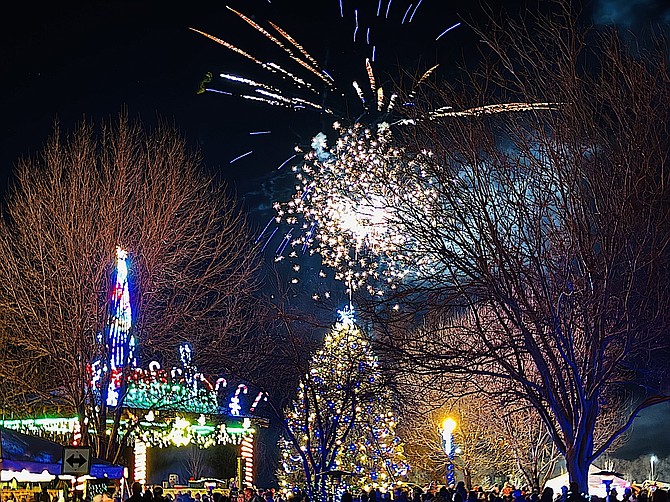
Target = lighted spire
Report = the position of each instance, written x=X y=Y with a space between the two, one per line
x=119 y=339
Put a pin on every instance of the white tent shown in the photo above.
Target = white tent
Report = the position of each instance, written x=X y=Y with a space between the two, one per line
x=596 y=485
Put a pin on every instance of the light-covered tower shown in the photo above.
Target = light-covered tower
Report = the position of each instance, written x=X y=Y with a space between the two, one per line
x=121 y=343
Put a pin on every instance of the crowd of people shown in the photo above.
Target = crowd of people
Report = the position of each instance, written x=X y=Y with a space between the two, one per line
x=433 y=493
x=459 y=493
x=504 y=493
x=155 y=494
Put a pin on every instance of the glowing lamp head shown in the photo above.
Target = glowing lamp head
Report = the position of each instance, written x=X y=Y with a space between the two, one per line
x=449 y=425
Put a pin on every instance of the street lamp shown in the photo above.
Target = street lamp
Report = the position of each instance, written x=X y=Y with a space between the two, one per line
x=652 y=460
x=448 y=427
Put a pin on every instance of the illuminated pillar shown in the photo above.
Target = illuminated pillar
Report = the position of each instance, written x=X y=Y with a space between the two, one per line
x=140 y=472
x=448 y=443
x=247 y=453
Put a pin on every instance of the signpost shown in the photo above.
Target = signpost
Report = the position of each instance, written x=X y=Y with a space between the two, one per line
x=76 y=461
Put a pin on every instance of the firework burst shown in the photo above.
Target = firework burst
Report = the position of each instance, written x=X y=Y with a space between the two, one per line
x=347 y=202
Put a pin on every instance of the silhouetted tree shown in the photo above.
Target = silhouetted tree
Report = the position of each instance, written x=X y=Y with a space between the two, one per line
x=540 y=238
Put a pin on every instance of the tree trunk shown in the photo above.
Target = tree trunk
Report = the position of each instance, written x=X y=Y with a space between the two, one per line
x=467 y=478
x=578 y=468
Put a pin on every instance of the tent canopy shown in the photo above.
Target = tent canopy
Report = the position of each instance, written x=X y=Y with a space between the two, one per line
x=596 y=485
x=22 y=452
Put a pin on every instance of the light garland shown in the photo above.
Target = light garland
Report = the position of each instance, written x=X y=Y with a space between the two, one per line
x=181 y=431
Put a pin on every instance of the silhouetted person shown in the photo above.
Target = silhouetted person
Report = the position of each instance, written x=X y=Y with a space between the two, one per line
x=44 y=495
x=136 y=490
x=659 y=495
x=547 y=495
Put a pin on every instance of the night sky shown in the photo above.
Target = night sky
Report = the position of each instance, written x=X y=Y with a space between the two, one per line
x=68 y=60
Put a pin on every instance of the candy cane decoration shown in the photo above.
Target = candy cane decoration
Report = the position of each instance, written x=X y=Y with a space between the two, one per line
x=247 y=453
x=220 y=384
x=256 y=401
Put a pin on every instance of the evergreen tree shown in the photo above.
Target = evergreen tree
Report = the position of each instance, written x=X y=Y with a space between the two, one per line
x=341 y=423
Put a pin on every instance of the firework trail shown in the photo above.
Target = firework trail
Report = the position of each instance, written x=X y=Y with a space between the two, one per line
x=298 y=91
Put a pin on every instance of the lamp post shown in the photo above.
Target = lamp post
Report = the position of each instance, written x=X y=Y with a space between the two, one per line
x=652 y=460
x=448 y=427
x=607 y=481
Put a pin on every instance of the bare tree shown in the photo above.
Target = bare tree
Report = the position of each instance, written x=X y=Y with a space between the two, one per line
x=497 y=438
x=548 y=228
x=196 y=462
x=531 y=447
x=638 y=470
x=192 y=265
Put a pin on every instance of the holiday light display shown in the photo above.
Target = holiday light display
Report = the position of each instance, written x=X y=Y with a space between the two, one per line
x=170 y=398
x=340 y=422
x=120 y=341
x=247 y=453
x=140 y=455
x=183 y=389
x=157 y=407
x=181 y=431
x=155 y=429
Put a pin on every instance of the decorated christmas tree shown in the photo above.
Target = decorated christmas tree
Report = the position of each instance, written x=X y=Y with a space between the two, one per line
x=340 y=429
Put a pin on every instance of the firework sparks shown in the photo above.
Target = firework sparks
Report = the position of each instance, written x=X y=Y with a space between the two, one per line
x=414 y=11
x=343 y=204
x=297 y=89
x=354 y=202
x=406 y=13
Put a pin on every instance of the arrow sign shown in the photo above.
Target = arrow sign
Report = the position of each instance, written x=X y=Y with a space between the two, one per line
x=76 y=461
